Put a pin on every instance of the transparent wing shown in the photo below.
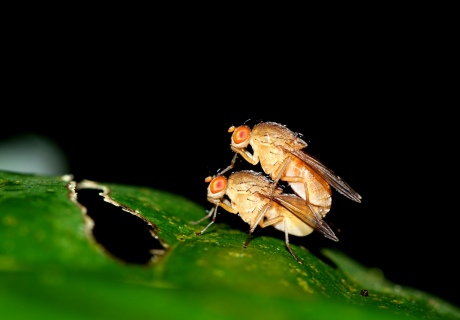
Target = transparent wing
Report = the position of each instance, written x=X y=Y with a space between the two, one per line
x=328 y=175
x=298 y=207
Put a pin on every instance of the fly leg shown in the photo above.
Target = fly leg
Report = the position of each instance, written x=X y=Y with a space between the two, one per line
x=280 y=175
x=318 y=216
x=276 y=220
x=257 y=221
x=224 y=204
x=232 y=164
x=213 y=213
x=312 y=207
x=284 y=165
x=291 y=179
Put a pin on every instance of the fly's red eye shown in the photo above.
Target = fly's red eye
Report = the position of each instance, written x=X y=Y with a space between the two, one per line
x=218 y=184
x=241 y=134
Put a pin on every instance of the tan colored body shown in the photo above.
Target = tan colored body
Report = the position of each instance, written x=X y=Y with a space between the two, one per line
x=251 y=195
x=281 y=156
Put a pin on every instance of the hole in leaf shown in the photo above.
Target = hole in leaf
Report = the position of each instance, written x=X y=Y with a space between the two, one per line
x=124 y=235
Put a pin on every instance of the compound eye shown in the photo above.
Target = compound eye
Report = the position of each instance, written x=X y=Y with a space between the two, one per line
x=218 y=184
x=241 y=134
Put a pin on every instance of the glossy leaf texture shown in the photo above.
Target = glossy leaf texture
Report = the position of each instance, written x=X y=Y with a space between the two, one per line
x=51 y=265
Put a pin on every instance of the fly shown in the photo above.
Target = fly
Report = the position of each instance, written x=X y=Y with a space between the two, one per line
x=251 y=195
x=281 y=154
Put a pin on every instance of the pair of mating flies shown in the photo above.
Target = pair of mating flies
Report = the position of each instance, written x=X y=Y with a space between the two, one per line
x=260 y=201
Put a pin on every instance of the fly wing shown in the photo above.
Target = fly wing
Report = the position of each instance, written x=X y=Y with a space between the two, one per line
x=298 y=207
x=328 y=175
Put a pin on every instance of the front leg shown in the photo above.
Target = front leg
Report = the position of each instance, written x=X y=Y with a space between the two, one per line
x=249 y=157
x=224 y=204
x=232 y=164
x=213 y=213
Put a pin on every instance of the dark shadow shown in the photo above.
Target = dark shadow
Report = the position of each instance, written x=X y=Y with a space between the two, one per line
x=122 y=234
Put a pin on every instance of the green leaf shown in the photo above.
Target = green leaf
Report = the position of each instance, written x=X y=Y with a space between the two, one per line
x=51 y=265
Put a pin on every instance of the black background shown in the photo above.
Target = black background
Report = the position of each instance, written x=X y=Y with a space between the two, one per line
x=157 y=115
